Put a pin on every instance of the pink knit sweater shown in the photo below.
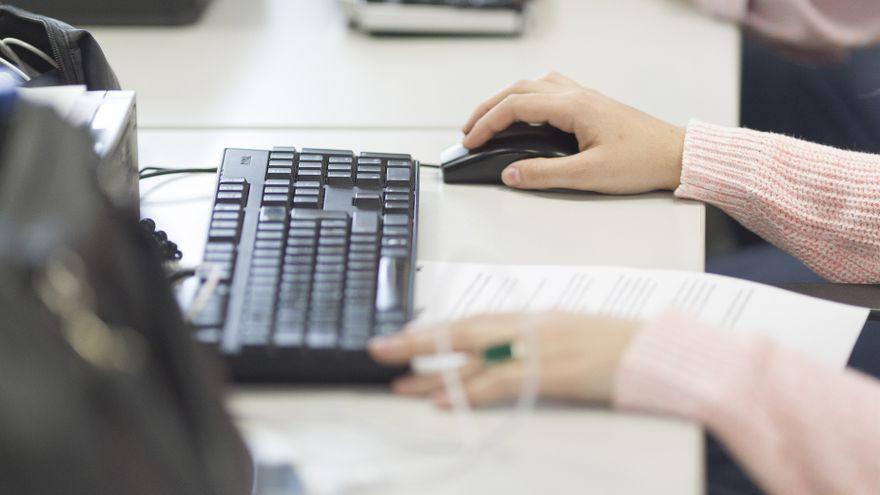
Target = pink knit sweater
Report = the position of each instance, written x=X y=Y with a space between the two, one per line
x=798 y=426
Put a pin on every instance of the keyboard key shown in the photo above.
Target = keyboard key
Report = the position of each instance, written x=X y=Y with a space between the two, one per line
x=305 y=174
x=219 y=247
x=281 y=155
x=369 y=161
x=396 y=206
x=267 y=253
x=222 y=233
x=226 y=215
x=389 y=230
x=396 y=219
x=334 y=232
x=268 y=244
x=310 y=158
x=364 y=222
x=307 y=183
x=273 y=214
x=276 y=182
x=339 y=178
x=227 y=207
x=274 y=226
x=306 y=201
x=219 y=256
x=288 y=338
x=369 y=169
x=232 y=180
x=269 y=234
x=306 y=232
x=399 y=163
x=231 y=187
x=310 y=166
x=391 y=284
x=367 y=200
x=367 y=180
x=279 y=172
x=332 y=241
x=395 y=241
x=340 y=159
x=280 y=163
x=307 y=191
x=277 y=199
x=276 y=190
x=320 y=340
x=331 y=249
x=336 y=224
x=224 y=224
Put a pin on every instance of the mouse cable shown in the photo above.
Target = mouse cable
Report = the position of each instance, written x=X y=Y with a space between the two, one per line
x=150 y=172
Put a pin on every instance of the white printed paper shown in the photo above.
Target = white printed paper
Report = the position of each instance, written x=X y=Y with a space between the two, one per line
x=824 y=330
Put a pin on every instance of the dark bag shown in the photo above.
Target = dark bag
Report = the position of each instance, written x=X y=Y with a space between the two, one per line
x=102 y=390
x=75 y=51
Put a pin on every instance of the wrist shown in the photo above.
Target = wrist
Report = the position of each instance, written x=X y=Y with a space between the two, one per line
x=675 y=157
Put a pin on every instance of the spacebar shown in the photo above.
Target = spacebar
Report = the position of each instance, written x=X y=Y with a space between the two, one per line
x=391 y=284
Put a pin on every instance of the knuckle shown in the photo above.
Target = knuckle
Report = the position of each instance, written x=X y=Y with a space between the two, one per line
x=521 y=85
x=551 y=76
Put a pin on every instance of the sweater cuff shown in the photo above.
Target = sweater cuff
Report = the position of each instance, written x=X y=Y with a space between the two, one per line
x=718 y=166
x=729 y=10
x=679 y=367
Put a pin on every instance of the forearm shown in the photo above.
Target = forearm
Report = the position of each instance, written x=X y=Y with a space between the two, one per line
x=820 y=204
x=798 y=427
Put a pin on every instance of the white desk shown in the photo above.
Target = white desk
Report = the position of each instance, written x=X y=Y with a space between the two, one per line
x=267 y=72
x=294 y=63
x=558 y=449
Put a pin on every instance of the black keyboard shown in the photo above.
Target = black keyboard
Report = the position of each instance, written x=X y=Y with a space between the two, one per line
x=316 y=253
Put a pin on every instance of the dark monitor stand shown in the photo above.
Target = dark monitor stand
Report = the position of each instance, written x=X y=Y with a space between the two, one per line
x=118 y=12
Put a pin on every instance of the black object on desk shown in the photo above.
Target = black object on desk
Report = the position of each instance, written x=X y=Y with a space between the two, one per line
x=104 y=391
x=520 y=141
x=119 y=12
x=315 y=251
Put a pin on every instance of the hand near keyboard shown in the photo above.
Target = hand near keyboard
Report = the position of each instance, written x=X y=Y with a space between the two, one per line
x=623 y=150
x=577 y=356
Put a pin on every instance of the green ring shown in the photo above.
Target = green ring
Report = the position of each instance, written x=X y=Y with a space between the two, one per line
x=498 y=353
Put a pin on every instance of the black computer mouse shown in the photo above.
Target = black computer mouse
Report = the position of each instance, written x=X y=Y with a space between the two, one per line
x=520 y=141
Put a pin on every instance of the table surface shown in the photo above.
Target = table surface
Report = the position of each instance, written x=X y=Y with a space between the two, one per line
x=270 y=72
x=557 y=448
x=295 y=63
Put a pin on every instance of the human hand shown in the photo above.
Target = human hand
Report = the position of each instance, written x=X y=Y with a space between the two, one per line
x=623 y=150
x=577 y=356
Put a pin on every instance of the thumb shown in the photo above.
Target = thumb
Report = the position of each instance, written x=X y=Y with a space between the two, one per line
x=544 y=173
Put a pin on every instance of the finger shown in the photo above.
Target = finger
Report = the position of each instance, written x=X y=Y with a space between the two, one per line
x=519 y=87
x=534 y=108
x=567 y=172
x=495 y=384
x=423 y=385
x=470 y=334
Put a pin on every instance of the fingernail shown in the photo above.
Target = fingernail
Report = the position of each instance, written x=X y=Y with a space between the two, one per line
x=382 y=344
x=511 y=176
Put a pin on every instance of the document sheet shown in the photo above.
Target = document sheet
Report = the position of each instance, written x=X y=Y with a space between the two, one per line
x=824 y=330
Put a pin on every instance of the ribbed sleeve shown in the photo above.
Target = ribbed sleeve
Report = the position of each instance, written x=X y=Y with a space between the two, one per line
x=797 y=426
x=818 y=203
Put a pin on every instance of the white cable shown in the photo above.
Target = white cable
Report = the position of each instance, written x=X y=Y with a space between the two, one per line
x=10 y=53
x=206 y=290
x=31 y=48
x=15 y=69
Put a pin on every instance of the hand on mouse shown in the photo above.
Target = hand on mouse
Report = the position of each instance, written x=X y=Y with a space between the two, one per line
x=623 y=150
x=577 y=356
